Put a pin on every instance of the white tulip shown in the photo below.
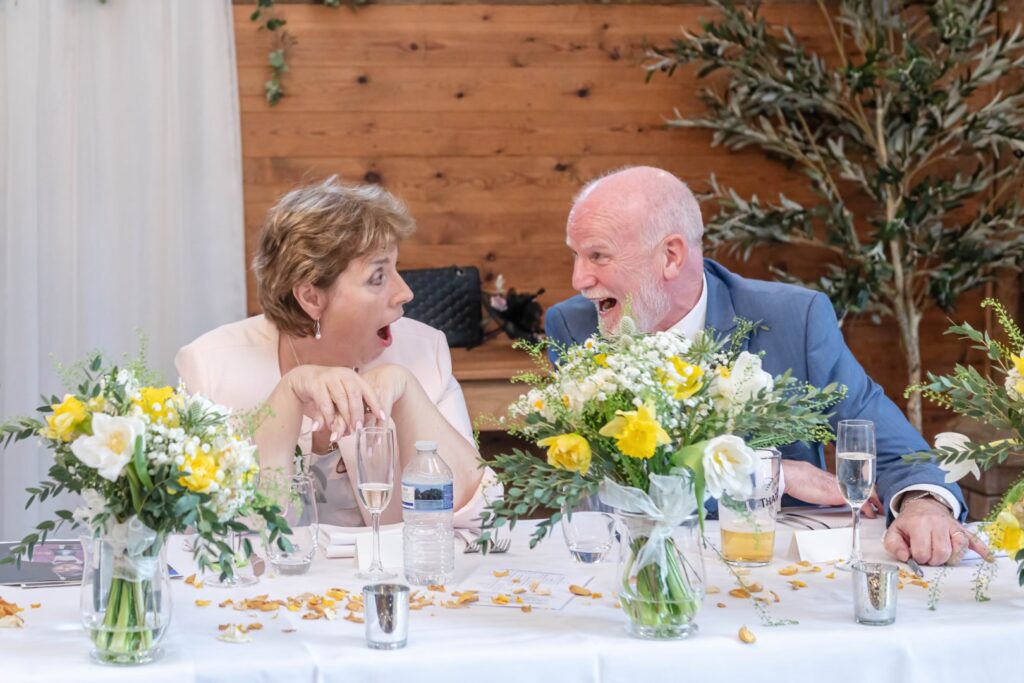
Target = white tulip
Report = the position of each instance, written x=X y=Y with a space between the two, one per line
x=111 y=445
x=729 y=464
x=956 y=471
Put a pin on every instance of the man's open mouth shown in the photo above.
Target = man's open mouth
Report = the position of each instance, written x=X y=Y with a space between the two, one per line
x=605 y=305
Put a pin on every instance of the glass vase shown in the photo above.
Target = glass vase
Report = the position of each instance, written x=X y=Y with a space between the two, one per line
x=125 y=599
x=661 y=576
x=299 y=509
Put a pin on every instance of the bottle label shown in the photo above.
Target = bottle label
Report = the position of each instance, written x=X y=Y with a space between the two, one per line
x=427 y=497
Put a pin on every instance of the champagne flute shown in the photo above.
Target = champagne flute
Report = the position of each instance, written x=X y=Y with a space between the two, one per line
x=375 y=470
x=855 y=471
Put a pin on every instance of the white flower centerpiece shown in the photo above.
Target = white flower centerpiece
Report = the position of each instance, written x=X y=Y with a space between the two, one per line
x=651 y=423
x=147 y=460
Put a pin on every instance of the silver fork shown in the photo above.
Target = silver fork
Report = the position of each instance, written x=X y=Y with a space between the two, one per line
x=472 y=546
x=497 y=546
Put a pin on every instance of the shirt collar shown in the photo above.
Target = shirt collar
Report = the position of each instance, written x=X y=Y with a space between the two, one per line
x=693 y=322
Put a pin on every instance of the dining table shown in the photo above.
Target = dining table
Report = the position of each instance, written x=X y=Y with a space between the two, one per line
x=947 y=628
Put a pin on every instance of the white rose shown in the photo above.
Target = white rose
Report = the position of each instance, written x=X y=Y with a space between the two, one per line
x=728 y=465
x=956 y=471
x=111 y=445
x=743 y=381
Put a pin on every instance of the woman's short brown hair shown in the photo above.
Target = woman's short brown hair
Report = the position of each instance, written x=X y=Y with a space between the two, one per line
x=312 y=234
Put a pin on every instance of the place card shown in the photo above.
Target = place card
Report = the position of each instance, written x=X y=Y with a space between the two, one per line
x=821 y=545
x=523 y=587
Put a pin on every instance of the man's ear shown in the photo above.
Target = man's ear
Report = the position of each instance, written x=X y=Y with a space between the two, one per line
x=675 y=252
x=312 y=299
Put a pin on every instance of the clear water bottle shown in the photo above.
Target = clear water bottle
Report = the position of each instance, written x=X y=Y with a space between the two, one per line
x=428 y=536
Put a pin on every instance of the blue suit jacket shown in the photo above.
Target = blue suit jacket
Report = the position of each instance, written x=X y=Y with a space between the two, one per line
x=803 y=336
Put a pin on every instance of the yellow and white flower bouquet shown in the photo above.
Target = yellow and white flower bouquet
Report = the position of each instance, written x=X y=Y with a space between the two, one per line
x=652 y=422
x=997 y=401
x=147 y=461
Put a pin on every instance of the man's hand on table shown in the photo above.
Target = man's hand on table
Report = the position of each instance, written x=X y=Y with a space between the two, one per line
x=814 y=485
x=927 y=531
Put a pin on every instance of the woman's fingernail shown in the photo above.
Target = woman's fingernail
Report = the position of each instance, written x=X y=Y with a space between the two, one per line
x=359 y=425
x=383 y=416
x=316 y=425
x=334 y=436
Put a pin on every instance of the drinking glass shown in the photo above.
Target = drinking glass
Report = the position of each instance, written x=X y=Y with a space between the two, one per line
x=375 y=476
x=589 y=533
x=855 y=471
x=299 y=510
x=748 y=524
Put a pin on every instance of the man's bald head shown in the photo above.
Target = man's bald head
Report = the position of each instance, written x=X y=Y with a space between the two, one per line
x=636 y=239
x=659 y=202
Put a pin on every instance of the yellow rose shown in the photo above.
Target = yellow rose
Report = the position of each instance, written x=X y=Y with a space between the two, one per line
x=1018 y=364
x=637 y=433
x=200 y=471
x=685 y=382
x=67 y=417
x=568 y=452
x=153 y=402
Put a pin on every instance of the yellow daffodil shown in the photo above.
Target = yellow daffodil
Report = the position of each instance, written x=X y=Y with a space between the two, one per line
x=67 y=417
x=1018 y=381
x=1006 y=533
x=153 y=402
x=636 y=432
x=568 y=452
x=200 y=470
x=685 y=380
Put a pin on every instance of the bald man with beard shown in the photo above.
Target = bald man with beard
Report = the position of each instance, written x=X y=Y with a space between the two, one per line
x=635 y=236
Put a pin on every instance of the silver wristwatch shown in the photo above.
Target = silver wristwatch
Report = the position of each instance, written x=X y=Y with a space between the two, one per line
x=918 y=495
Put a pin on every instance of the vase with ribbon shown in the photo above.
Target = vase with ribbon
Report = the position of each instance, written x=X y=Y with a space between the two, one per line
x=661 y=574
x=125 y=600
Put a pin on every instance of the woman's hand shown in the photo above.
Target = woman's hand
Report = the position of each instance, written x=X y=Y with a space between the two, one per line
x=390 y=383
x=814 y=485
x=337 y=398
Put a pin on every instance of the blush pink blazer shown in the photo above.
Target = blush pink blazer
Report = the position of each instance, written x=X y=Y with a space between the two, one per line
x=236 y=365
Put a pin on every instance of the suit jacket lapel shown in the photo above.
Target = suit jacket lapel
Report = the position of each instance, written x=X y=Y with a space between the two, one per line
x=721 y=313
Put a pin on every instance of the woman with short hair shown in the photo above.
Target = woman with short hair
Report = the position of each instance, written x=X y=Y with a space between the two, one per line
x=332 y=352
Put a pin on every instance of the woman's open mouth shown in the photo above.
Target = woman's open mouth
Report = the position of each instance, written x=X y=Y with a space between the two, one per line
x=385 y=335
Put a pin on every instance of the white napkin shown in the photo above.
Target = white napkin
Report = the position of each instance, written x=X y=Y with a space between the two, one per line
x=390 y=550
x=341 y=541
x=333 y=552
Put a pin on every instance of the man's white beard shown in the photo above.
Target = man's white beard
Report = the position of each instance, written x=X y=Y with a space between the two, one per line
x=648 y=307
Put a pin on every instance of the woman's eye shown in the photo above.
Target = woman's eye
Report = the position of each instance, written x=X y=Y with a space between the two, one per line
x=377 y=278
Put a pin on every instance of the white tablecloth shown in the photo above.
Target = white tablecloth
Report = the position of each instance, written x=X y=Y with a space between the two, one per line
x=962 y=640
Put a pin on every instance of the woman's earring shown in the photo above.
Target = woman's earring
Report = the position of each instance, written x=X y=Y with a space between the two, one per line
x=316 y=328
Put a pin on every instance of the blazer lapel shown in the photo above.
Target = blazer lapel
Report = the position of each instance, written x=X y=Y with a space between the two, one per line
x=721 y=314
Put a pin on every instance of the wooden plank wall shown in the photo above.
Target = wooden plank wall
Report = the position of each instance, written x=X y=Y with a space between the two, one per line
x=486 y=119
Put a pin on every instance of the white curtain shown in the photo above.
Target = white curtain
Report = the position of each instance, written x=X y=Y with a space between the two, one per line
x=120 y=195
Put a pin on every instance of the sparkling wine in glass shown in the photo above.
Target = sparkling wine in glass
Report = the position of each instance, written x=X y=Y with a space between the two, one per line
x=375 y=471
x=855 y=470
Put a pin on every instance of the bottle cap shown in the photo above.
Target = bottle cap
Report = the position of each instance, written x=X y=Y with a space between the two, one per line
x=426 y=445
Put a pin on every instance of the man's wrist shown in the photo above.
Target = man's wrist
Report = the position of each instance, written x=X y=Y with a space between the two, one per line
x=923 y=497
